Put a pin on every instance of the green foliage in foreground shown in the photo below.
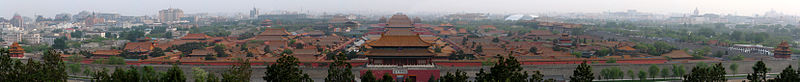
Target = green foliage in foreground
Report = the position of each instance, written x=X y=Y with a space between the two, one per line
x=285 y=70
x=133 y=74
x=50 y=69
x=714 y=73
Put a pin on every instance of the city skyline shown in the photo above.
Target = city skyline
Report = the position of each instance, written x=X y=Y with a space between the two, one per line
x=49 y=8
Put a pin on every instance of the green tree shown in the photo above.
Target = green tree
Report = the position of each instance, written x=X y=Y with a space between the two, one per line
x=612 y=73
x=678 y=70
x=74 y=68
x=32 y=71
x=109 y=35
x=200 y=75
x=174 y=74
x=582 y=74
x=458 y=76
x=167 y=35
x=266 y=49
x=432 y=79
x=736 y=35
x=714 y=73
x=482 y=76
x=287 y=52
x=249 y=54
x=533 y=49
x=246 y=35
x=611 y=60
x=77 y=34
x=50 y=69
x=220 y=50
x=123 y=75
x=631 y=74
x=718 y=54
x=339 y=70
x=664 y=72
x=536 y=77
x=75 y=59
x=505 y=69
x=386 y=78
x=368 y=77
x=157 y=52
x=605 y=73
x=60 y=43
x=479 y=49
x=150 y=75
x=642 y=75
x=101 y=76
x=787 y=75
x=55 y=69
x=114 y=60
x=653 y=71
x=132 y=35
x=285 y=70
x=734 y=68
x=759 y=72
x=243 y=47
x=212 y=78
x=239 y=72
x=495 y=40
x=737 y=57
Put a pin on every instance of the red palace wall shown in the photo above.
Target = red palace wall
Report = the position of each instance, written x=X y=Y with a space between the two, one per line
x=361 y=63
x=421 y=75
x=470 y=64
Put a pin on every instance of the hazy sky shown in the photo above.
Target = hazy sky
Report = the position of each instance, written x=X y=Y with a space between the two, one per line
x=49 y=8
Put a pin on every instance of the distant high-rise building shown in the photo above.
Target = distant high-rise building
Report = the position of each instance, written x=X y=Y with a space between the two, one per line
x=382 y=20
x=92 y=20
x=40 y=18
x=63 y=17
x=417 y=20
x=169 y=15
x=696 y=12
x=17 y=21
x=254 y=13
x=3 y=19
x=81 y=15
x=108 y=16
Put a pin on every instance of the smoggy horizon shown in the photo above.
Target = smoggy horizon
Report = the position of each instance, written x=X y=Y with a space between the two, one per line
x=49 y=8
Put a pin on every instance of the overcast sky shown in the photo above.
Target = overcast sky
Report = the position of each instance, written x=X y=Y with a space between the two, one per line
x=49 y=8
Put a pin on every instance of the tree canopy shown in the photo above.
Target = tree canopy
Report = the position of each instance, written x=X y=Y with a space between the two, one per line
x=458 y=76
x=714 y=73
x=759 y=72
x=582 y=74
x=285 y=70
x=239 y=72
x=339 y=70
x=51 y=68
x=504 y=70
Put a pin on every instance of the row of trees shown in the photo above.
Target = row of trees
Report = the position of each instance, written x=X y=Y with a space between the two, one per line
x=653 y=71
x=133 y=74
x=760 y=70
x=239 y=72
x=52 y=68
